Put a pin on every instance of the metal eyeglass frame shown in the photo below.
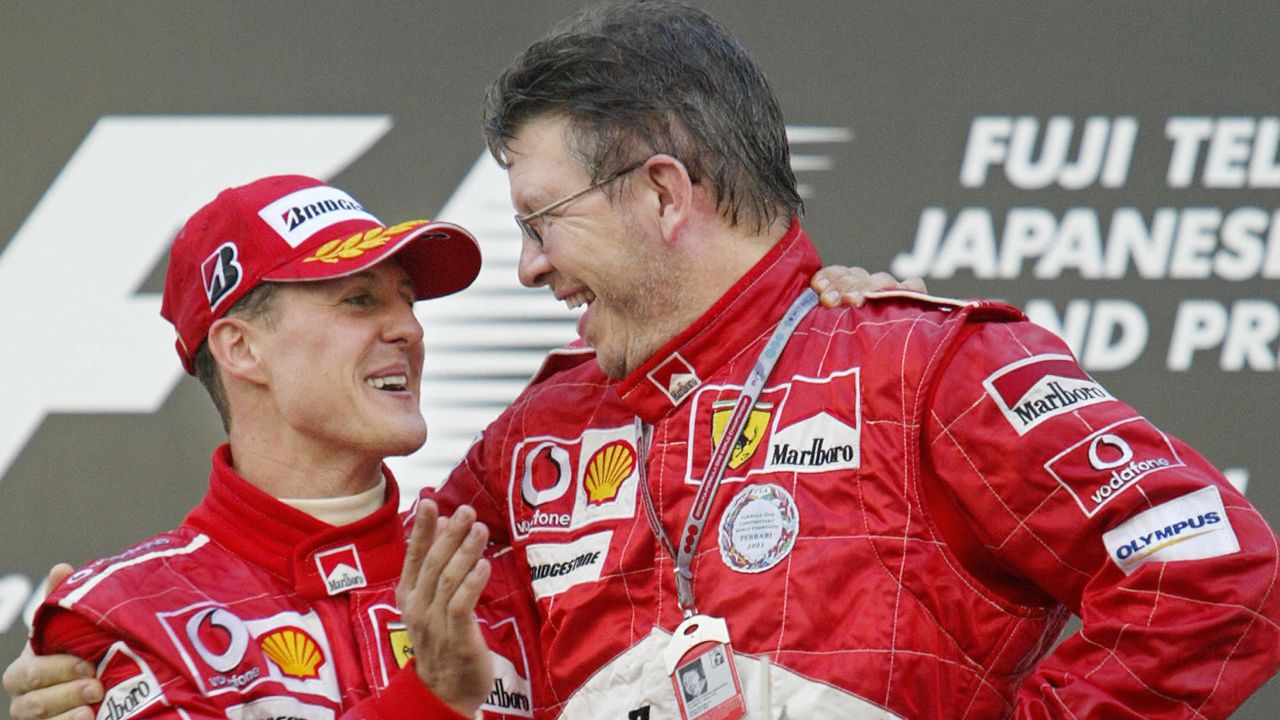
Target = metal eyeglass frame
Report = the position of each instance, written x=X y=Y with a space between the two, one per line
x=532 y=232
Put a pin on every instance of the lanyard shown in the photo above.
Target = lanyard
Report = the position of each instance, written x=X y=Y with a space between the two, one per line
x=691 y=532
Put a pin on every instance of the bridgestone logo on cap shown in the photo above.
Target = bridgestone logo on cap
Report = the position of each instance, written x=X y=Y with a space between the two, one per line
x=297 y=216
x=221 y=273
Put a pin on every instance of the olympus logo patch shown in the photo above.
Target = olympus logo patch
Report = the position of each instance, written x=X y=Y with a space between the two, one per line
x=1032 y=390
x=1192 y=527
x=299 y=215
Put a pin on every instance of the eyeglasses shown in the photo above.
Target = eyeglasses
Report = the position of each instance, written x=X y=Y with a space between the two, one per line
x=524 y=220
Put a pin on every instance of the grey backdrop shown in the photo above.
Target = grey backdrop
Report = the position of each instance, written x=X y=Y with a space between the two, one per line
x=882 y=97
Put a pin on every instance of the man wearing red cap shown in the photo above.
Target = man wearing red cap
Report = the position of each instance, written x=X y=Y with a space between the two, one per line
x=277 y=596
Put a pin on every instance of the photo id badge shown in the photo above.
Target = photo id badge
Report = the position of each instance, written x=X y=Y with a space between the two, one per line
x=699 y=660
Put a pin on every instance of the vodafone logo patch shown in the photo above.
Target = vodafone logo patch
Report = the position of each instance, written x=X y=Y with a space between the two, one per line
x=1098 y=468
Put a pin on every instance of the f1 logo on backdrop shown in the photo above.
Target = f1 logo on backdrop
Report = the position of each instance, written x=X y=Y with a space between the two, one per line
x=106 y=222
x=75 y=265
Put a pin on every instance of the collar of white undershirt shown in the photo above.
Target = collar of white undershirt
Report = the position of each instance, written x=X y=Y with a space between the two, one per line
x=342 y=510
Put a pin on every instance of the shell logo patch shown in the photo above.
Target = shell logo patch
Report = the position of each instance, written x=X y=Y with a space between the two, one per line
x=759 y=528
x=294 y=652
x=755 y=429
x=608 y=468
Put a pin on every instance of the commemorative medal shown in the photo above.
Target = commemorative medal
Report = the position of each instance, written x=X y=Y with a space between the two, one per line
x=759 y=528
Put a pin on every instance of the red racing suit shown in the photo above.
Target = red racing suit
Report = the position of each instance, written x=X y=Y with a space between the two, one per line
x=253 y=609
x=923 y=492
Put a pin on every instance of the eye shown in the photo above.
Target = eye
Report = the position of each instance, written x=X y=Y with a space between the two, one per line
x=362 y=300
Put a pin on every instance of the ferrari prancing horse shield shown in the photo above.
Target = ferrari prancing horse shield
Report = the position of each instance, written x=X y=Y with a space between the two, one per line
x=757 y=423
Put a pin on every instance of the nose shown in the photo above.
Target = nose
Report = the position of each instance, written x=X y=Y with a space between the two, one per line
x=535 y=267
x=403 y=326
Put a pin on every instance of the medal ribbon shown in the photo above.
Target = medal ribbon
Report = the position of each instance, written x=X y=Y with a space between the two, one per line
x=691 y=533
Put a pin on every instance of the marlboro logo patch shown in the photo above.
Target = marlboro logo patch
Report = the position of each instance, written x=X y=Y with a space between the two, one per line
x=341 y=569
x=1033 y=390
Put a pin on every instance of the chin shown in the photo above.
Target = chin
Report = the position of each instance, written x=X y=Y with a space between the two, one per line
x=623 y=359
x=404 y=442
x=614 y=367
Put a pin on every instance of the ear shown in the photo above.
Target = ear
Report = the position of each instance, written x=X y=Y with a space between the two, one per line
x=233 y=344
x=672 y=201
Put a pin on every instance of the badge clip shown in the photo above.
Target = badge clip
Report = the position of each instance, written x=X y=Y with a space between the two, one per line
x=695 y=630
x=703 y=673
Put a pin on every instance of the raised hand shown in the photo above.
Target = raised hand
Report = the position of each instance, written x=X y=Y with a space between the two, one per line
x=442 y=579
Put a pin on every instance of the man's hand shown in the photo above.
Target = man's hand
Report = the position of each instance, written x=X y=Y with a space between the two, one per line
x=443 y=577
x=57 y=687
x=838 y=285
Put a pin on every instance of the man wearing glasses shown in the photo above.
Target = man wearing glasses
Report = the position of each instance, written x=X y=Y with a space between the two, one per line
x=879 y=512
x=886 y=511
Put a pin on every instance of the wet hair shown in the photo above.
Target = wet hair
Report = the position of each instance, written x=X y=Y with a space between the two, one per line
x=257 y=304
x=649 y=77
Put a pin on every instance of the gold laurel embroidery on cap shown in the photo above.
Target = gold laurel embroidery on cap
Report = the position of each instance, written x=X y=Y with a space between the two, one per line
x=360 y=243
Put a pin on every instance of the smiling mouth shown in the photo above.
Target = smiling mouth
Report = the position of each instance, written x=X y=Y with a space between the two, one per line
x=578 y=299
x=388 y=383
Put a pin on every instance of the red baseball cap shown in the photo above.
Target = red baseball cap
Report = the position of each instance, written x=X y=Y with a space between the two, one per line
x=292 y=228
